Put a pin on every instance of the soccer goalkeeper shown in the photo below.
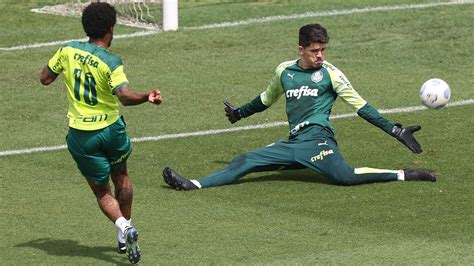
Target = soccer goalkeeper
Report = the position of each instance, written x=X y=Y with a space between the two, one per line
x=310 y=86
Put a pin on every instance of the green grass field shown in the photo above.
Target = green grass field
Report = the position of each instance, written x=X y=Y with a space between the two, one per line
x=49 y=214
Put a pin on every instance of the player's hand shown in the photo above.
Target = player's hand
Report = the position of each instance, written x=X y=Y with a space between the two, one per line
x=233 y=114
x=405 y=136
x=155 y=97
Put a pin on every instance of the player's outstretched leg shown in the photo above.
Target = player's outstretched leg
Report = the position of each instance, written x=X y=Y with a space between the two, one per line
x=131 y=241
x=176 y=181
x=419 y=175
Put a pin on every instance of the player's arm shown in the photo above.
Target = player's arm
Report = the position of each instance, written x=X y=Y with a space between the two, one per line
x=119 y=83
x=47 y=76
x=52 y=69
x=402 y=134
x=260 y=103
x=344 y=90
x=128 y=97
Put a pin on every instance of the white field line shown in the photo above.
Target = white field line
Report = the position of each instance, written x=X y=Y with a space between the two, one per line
x=219 y=131
x=327 y=14
x=46 y=44
x=261 y=20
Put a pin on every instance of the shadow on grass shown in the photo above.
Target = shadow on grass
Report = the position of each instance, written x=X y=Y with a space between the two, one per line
x=71 y=248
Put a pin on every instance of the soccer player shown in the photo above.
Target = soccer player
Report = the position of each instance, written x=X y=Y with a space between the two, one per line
x=310 y=86
x=97 y=139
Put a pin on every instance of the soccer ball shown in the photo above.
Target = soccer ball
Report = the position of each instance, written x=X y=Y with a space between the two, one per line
x=435 y=93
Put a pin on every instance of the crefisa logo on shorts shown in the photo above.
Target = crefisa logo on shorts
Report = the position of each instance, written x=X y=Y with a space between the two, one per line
x=317 y=76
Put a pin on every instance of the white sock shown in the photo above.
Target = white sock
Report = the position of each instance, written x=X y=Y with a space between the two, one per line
x=121 y=224
x=121 y=235
x=401 y=175
x=195 y=182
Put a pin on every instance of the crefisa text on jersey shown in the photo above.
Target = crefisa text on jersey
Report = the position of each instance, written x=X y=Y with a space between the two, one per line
x=302 y=91
x=86 y=60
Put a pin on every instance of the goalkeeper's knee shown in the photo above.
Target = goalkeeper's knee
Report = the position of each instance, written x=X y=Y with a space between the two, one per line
x=237 y=162
x=344 y=177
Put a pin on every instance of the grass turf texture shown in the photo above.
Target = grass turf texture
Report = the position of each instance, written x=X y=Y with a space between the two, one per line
x=50 y=215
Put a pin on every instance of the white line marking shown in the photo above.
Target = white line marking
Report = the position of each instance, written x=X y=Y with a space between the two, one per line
x=262 y=20
x=220 y=131
x=326 y=14
x=40 y=45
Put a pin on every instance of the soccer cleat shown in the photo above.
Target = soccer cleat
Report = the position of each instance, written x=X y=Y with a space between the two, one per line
x=419 y=175
x=131 y=243
x=176 y=181
x=121 y=248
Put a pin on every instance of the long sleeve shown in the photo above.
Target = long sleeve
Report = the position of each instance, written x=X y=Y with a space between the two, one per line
x=344 y=89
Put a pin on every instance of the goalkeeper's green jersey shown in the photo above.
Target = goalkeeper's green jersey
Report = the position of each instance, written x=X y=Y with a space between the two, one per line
x=92 y=75
x=310 y=95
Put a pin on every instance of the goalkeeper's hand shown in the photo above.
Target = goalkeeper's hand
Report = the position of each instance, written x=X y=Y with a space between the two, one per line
x=233 y=114
x=405 y=136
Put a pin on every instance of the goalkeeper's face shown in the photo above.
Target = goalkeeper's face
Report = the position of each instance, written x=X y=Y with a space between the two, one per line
x=312 y=56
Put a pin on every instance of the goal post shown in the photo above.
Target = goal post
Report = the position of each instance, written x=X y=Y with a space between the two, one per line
x=141 y=9
x=170 y=15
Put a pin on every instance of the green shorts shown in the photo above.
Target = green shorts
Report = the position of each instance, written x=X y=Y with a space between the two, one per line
x=99 y=152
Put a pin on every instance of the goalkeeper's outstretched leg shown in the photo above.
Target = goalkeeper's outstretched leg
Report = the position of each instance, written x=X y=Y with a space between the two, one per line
x=330 y=163
x=239 y=167
x=269 y=158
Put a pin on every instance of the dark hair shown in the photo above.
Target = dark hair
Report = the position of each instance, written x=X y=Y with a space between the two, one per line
x=98 y=18
x=313 y=33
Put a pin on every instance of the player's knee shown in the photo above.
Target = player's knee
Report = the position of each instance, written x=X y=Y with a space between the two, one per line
x=237 y=162
x=343 y=178
x=119 y=171
x=240 y=166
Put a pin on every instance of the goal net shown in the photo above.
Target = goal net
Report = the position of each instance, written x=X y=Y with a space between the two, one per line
x=148 y=14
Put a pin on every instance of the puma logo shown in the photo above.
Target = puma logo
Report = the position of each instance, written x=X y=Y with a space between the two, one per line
x=323 y=143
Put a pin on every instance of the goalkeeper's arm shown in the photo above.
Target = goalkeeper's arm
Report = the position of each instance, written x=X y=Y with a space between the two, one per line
x=402 y=134
x=235 y=114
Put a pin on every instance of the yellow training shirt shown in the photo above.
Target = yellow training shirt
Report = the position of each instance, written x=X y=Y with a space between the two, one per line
x=92 y=75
